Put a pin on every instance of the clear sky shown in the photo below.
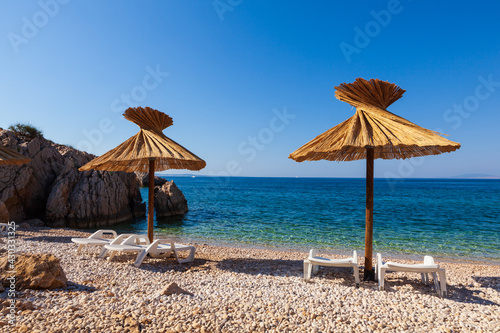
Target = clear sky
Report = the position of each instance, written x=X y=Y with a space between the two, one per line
x=248 y=82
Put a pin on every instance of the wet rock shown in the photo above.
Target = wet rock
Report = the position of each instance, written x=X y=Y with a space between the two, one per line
x=169 y=200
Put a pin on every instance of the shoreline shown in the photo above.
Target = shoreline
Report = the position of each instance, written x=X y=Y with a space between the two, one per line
x=305 y=250
x=243 y=289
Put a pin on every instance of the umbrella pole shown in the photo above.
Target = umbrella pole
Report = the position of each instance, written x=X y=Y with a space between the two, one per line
x=369 y=273
x=151 y=199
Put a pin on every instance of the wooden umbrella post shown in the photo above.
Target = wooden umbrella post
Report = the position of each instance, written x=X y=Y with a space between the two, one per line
x=151 y=199
x=369 y=274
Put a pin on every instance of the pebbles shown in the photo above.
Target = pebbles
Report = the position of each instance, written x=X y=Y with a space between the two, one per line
x=241 y=290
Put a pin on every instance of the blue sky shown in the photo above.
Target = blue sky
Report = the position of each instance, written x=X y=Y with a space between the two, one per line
x=249 y=82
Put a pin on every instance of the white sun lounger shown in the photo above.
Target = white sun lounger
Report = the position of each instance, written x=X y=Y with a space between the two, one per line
x=140 y=244
x=97 y=238
x=424 y=269
x=312 y=263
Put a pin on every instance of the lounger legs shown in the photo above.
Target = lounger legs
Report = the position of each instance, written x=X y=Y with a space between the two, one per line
x=103 y=253
x=111 y=255
x=439 y=283
x=442 y=281
x=79 y=249
x=355 y=268
x=140 y=257
x=307 y=270
x=381 y=278
x=153 y=247
x=310 y=269
x=190 y=257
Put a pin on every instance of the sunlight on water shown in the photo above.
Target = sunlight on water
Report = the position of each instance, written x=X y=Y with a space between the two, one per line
x=451 y=218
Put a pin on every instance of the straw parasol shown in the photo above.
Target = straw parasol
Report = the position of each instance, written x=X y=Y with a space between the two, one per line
x=10 y=157
x=373 y=132
x=147 y=151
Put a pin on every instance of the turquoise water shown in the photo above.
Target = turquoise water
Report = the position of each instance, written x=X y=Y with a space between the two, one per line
x=447 y=218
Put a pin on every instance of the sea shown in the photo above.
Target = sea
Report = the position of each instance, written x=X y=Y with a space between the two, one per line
x=446 y=218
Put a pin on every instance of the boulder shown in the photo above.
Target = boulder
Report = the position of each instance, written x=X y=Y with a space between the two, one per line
x=93 y=199
x=33 y=271
x=169 y=200
x=51 y=188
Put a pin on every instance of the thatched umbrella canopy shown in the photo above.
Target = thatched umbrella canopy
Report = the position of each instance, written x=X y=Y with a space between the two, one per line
x=147 y=151
x=373 y=132
x=10 y=157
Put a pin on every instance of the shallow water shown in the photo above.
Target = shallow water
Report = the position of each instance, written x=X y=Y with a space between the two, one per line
x=444 y=217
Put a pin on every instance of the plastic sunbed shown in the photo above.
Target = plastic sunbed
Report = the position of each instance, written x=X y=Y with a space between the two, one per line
x=140 y=244
x=312 y=263
x=97 y=238
x=424 y=269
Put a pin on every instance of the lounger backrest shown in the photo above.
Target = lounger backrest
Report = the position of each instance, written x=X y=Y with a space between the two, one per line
x=136 y=240
x=428 y=260
x=312 y=253
x=354 y=257
x=101 y=233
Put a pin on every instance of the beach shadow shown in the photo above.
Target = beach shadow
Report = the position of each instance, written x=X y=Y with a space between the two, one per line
x=392 y=284
x=50 y=239
x=455 y=293
x=77 y=287
x=164 y=264
x=287 y=268
x=336 y=275
x=463 y=295
x=492 y=282
x=274 y=267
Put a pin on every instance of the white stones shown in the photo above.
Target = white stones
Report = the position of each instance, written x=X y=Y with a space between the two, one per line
x=234 y=290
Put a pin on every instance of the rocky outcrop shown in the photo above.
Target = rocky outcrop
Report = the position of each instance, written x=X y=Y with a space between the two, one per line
x=51 y=188
x=33 y=271
x=143 y=178
x=169 y=200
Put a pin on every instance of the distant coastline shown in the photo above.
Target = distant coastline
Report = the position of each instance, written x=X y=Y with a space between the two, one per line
x=465 y=176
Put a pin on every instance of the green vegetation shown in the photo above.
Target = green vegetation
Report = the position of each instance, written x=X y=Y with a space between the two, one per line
x=26 y=130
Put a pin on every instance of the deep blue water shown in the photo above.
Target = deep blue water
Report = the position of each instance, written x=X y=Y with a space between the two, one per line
x=444 y=217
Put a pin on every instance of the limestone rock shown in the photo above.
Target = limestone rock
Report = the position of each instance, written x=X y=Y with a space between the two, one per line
x=169 y=200
x=34 y=271
x=92 y=199
x=173 y=288
x=51 y=188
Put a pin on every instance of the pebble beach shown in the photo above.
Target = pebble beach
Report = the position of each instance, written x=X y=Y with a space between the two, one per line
x=243 y=290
